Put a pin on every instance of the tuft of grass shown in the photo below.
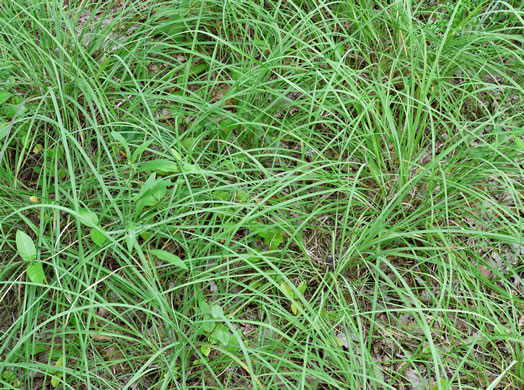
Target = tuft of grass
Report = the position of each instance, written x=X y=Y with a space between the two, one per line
x=268 y=195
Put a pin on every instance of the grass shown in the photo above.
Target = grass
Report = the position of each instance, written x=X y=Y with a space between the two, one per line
x=268 y=195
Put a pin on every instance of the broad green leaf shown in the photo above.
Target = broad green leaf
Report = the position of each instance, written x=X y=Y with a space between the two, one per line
x=149 y=183
x=191 y=168
x=4 y=127
x=207 y=326
x=25 y=246
x=272 y=237
x=188 y=143
x=11 y=109
x=275 y=241
x=155 y=194
x=171 y=24
x=296 y=308
x=146 y=235
x=97 y=236
x=38 y=348
x=443 y=384
x=242 y=196
x=223 y=195
x=426 y=350
x=161 y=166
x=217 y=312
x=57 y=152
x=25 y=138
x=204 y=307
x=255 y=284
x=288 y=291
x=518 y=140
x=221 y=334
x=151 y=193
x=302 y=287
x=176 y=155
x=197 y=69
x=35 y=272
x=169 y=257
x=59 y=363
x=253 y=259
x=4 y=96
x=205 y=350
x=131 y=236
x=88 y=218
x=55 y=354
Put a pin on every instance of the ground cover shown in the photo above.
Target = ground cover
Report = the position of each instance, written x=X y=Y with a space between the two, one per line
x=269 y=195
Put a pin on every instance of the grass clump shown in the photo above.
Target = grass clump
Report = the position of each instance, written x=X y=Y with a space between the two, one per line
x=268 y=195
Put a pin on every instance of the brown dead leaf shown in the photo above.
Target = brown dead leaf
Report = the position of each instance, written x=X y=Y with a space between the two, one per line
x=485 y=271
x=110 y=353
x=100 y=337
x=219 y=94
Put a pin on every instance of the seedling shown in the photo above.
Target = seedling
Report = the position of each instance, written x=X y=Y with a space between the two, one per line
x=90 y=219
x=296 y=307
x=272 y=236
x=27 y=251
x=214 y=326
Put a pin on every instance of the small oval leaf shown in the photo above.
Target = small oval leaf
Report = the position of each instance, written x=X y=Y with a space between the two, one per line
x=25 y=246
x=217 y=312
x=35 y=272
x=161 y=166
x=169 y=257
x=97 y=236
x=302 y=287
x=205 y=350
x=87 y=217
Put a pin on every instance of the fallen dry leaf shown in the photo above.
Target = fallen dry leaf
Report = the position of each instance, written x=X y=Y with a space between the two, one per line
x=485 y=271
x=100 y=337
